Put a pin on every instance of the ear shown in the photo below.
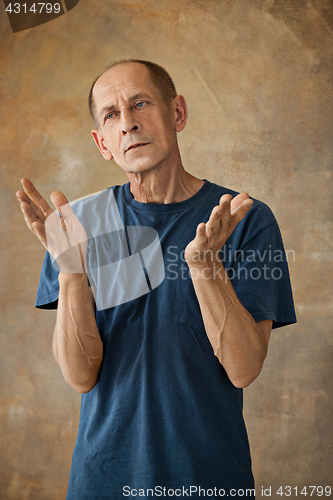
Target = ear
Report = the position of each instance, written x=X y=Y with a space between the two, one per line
x=180 y=112
x=100 y=143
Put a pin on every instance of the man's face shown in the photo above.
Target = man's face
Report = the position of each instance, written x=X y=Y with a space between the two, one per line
x=136 y=127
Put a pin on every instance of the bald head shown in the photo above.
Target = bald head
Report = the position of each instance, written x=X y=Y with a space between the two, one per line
x=159 y=77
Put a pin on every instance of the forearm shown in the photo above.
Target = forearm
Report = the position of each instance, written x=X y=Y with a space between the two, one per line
x=237 y=340
x=77 y=345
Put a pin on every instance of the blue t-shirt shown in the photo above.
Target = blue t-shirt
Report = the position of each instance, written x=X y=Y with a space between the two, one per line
x=164 y=413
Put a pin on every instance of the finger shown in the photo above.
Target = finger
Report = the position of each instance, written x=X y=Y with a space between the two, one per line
x=226 y=198
x=238 y=200
x=29 y=215
x=225 y=204
x=59 y=199
x=201 y=236
x=39 y=229
x=220 y=215
x=60 y=202
x=23 y=197
x=239 y=213
x=221 y=209
x=214 y=222
x=36 y=197
x=34 y=224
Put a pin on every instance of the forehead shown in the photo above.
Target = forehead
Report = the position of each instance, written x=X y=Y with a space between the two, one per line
x=121 y=82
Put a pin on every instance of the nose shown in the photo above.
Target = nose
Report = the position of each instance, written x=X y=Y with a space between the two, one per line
x=128 y=121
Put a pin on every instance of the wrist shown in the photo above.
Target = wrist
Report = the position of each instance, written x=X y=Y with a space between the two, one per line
x=205 y=263
x=207 y=270
x=64 y=277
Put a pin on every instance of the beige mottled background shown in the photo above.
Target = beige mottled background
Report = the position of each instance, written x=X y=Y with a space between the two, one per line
x=257 y=75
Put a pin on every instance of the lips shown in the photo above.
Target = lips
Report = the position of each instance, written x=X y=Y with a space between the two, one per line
x=136 y=145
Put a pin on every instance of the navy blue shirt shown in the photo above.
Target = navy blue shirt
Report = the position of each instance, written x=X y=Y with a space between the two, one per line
x=164 y=413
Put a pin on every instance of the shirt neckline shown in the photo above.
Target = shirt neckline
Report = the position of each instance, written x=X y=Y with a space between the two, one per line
x=166 y=207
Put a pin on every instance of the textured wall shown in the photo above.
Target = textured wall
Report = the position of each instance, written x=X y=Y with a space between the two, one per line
x=258 y=79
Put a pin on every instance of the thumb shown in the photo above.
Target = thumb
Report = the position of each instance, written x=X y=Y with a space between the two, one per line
x=58 y=199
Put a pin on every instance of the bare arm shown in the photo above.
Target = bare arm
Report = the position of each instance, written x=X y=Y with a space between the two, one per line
x=77 y=345
x=239 y=342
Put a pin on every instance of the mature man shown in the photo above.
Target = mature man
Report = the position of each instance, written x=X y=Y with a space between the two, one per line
x=161 y=374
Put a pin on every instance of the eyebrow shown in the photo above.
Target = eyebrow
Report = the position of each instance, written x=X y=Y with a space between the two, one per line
x=140 y=95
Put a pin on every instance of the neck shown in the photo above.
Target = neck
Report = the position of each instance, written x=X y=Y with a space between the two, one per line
x=164 y=185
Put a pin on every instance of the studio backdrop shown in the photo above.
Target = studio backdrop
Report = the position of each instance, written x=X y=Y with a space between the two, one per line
x=257 y=77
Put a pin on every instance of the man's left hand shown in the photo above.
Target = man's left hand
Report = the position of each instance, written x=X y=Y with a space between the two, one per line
x=212 y=235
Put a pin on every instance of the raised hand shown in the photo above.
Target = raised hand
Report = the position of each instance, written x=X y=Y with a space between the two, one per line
x=212 y=235
x=59 y=231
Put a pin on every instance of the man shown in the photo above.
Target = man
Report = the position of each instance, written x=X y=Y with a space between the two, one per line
x=161 y=374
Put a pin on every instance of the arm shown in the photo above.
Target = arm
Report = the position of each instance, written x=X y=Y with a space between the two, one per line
x=238 y=341
x=77 y=345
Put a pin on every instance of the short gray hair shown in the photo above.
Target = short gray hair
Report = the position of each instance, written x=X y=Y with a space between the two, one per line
x=159 y=77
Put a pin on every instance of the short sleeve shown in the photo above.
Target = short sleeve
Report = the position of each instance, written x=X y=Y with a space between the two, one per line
x=260 y=276
x=48 y=288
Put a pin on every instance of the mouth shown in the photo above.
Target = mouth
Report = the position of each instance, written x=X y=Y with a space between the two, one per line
x=136 y=146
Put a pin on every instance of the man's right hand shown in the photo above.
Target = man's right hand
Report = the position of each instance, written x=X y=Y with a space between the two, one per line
x=63 y=236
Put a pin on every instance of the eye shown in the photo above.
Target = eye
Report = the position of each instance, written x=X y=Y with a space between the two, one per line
x=140 y=104
x=109 y=116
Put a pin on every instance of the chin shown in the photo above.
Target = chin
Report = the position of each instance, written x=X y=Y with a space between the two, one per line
x=137 y=167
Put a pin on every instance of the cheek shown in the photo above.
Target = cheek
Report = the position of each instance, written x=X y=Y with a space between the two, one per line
x=164 y=132
x=112 y=142
x=169 y=137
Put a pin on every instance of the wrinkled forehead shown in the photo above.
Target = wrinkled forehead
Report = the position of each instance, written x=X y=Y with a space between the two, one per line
x=122 y=81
